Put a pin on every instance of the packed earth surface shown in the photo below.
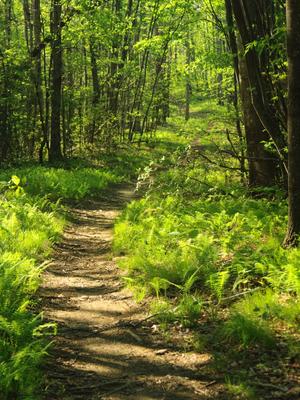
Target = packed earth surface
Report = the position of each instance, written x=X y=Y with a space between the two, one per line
x=107 y=347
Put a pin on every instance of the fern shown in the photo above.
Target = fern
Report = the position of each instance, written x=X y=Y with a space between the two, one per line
x=217 y=282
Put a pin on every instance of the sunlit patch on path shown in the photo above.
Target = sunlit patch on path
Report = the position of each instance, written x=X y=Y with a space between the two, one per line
x=100 y=351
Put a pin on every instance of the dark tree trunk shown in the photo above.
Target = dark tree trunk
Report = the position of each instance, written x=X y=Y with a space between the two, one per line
x=5 y=106
x=254 y=21
x=37 y=61
x=113 y=93
x=135 y=123
x=96 y=92
x=293 y=48
x=261 y=166
x=55 y=153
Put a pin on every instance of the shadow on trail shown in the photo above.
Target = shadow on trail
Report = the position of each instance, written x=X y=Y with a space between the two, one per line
x=100 y=352
x=133 y=378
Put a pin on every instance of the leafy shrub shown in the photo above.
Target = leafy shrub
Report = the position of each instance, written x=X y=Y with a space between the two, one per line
x=187 y=311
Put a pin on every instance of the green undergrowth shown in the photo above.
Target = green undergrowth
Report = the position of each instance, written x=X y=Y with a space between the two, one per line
x=60 y=183
x=77 y=179
x=202 y=247
x=210 y=247
x=28 y=228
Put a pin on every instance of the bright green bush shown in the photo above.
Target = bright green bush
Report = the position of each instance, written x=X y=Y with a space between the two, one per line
x=22 y=335
x=248 y=331
x=228 y=242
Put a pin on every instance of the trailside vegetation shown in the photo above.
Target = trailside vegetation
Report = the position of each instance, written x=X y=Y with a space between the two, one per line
x=207 y=254
x=28 y=228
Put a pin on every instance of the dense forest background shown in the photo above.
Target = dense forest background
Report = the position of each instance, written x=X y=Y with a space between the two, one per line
x=198 y=99
x=82 y=74
x=79 y=75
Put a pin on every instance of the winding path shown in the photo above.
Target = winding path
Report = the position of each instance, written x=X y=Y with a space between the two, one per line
x=103 y=350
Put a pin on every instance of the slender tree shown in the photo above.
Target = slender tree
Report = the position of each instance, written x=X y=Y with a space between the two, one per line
x=5 y=83
x=188 y=86
x=293 y=48
x=55 y=153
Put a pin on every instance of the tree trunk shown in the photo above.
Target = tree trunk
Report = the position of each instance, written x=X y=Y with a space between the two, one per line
x=254 y=24
x=55 y=153
x=113 y=94
x=293 y=48
x=37 y=61
x=260 y=163
x=96 y=92
x=5 y=106
x=188 y=86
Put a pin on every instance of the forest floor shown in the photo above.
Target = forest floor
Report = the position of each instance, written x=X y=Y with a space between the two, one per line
x=106 y=348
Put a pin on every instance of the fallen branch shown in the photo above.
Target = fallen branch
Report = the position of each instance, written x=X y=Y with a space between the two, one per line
x=211 y=187
x=217 y=164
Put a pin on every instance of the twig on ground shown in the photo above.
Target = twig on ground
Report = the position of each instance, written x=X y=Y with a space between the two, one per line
x=240 y=294
x=270 y=386
x=115 y=390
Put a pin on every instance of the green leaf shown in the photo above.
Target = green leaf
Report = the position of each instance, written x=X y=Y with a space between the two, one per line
x=15 y=180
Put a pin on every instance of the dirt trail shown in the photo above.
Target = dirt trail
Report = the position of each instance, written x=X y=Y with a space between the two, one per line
x=99 y=353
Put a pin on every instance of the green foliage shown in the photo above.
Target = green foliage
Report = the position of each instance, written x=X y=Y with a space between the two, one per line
x=28 y=226
x=253 y=319
x=187 y=311
x=269 y=306
x=70 y=184
x=247 y=331
x=240 y=390
x=198 y=232
x=30 y=222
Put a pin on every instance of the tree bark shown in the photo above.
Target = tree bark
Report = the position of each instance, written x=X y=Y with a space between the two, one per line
x=55 y=153
x=5 y=106
x=37 y=61
x=254 y=24
x=96 y=91
x=188 y=86
x=293 y=49
x=261 y=166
